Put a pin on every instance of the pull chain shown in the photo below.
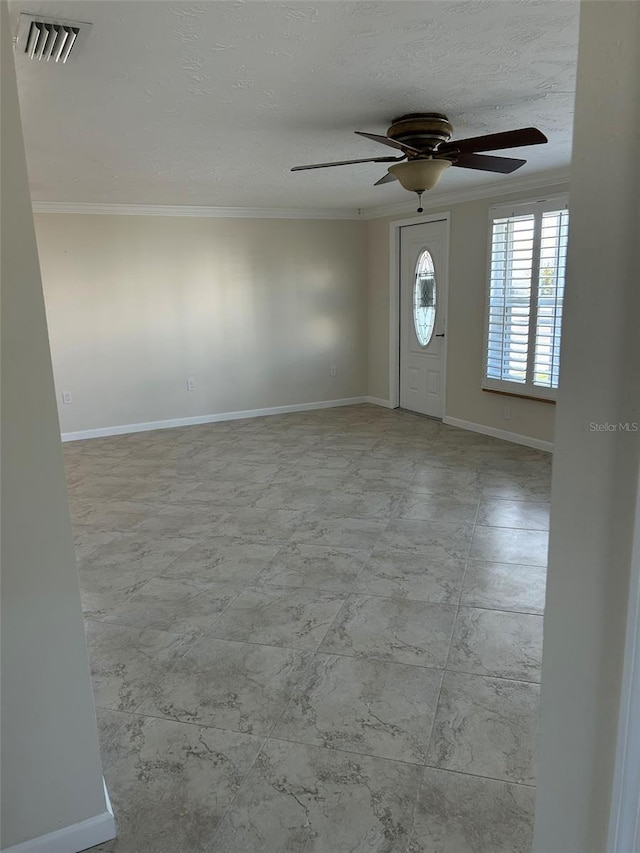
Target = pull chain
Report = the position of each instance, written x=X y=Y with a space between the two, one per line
x=420 y=208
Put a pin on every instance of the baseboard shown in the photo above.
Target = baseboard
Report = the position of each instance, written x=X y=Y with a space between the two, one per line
x=514 y=437
x=72 y=839
x=378 y=401
x=124 y=429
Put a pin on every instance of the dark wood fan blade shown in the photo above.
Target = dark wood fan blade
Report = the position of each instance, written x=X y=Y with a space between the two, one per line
x=386 y=141
x=385 y=179
x=495 y=141
x=504 y=165
x=348 y=163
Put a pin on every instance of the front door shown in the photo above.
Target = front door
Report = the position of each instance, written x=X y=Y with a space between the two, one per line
x=423 y=304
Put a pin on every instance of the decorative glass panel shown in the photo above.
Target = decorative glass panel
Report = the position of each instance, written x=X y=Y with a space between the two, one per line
x=424 y=299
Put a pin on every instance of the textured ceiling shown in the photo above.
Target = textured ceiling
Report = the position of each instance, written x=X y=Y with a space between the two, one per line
x=211 y=103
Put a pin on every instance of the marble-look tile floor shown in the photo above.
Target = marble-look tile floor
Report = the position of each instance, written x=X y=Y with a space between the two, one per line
x=314 y=633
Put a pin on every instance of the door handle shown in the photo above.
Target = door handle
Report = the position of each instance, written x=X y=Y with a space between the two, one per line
x=440 y=336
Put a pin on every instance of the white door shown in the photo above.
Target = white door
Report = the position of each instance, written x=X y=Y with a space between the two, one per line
x=423 y=304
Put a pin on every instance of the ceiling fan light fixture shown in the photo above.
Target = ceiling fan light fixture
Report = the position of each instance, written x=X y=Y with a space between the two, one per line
x=417 y=176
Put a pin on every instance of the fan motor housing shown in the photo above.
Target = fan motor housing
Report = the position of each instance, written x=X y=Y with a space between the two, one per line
x=424 y=131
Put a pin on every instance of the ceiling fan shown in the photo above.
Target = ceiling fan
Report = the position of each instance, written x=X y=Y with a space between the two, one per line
x=427 y=150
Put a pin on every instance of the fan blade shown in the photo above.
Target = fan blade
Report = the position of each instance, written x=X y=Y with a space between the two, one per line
x=504 y=165
x=386 y=179
x=408 y=149
x=495 y=141
x=348 y=163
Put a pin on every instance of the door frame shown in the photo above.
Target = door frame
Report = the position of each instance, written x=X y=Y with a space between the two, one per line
x=394 y=302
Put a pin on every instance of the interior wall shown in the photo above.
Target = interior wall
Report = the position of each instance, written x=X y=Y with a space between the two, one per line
x=465 y=398
x=595 y=477
x=51 y=770
x=255 y=311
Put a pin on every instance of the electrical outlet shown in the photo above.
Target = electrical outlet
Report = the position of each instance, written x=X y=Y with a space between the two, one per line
x=66 y=397
x=506 y=413
x=333 y=370
x=191 y=384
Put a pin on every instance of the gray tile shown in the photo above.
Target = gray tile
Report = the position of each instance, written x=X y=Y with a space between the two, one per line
x=499 y=643
x=292 y=476
x=433 y=540
x=304 y=798
x=170 y=523
x=238 y=686
x=453 y=508
x=315 y=566
x=278 y=496
x=225 y=493
x=504 y=586
x=109 y=724
x=413 y=632
x=506 y=545
x=362 y=503
x=247 y=472
x=456 y=813
x=223 y=560
x=405 y=574
x=256 y=524
x=533 y=486
x=486 y=727
x=364 y=706
x=126 y=663
x=360 y=533
x=111 y=515
x=136 y=551
x=447 y=480
x=194 y=521
x=171 y=783
x=185 y=607
x=531 y=515
x=97 y=605
x=279 y=616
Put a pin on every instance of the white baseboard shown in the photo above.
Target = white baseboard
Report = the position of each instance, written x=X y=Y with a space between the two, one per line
x=74 y=838
x=378 y=401
x=124 y=429
x=514 y=437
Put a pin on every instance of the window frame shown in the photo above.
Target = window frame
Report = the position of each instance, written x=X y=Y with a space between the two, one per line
x=499 y=211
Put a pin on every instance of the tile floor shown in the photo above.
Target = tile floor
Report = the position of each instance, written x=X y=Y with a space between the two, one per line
x=314 y=633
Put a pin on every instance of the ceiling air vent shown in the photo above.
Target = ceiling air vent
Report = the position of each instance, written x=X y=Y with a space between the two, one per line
x=50 y=39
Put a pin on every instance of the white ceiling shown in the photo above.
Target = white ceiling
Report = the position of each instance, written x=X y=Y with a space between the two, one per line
x=212 y=103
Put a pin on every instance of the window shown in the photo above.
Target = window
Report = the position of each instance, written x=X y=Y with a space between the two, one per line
x=526 y=286
x=424 y=298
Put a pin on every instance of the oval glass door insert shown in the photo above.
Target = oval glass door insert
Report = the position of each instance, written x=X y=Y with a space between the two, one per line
x=424 y=298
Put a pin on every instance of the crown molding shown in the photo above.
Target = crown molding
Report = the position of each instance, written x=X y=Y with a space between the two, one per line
x=494 y=189
x=533 y=182
x=186 y=210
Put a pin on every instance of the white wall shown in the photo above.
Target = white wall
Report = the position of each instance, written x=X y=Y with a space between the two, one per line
x=256 y=311
x=595 y=475
x=465 y=325
x=51 y=771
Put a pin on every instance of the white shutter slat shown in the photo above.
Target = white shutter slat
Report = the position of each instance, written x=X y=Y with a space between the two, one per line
x=510 y=298
x=553 y=251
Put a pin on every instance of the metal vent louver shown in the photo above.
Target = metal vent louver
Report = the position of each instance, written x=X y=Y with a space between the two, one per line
x=48 y=39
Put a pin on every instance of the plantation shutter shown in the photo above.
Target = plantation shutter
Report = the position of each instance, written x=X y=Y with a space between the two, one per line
x=553 y=254
x=512 y=256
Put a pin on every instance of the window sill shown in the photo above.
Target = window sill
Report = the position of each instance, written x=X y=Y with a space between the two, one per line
x=519 y=396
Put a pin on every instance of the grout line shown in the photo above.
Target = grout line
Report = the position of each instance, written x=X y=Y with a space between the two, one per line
x=455 y=622
x=201 y=725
